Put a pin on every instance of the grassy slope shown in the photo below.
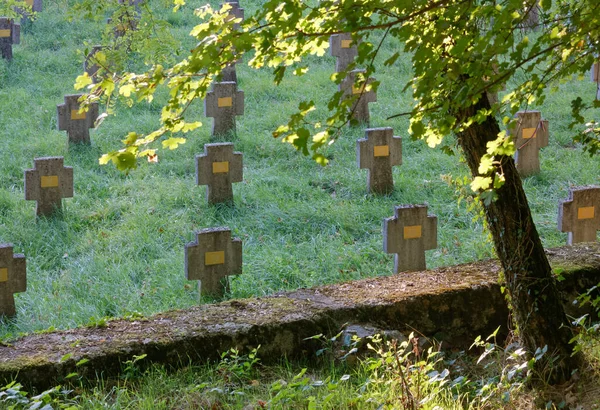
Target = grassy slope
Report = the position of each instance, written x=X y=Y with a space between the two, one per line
x=118 y=247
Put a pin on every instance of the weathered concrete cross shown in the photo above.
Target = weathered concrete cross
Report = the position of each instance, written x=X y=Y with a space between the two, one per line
x=355 y=87
x=579 y=215
x=10 y=33
x=47 y=183
x=595 y=76
x=211 y=259
x=90 y=64
x=379 y=152
x=223 y=103
x=13 y=278
x=235 y=12
x=409 y=234
x=342 y=47
x=217 y=169
x=75 y=123
x=530 y=134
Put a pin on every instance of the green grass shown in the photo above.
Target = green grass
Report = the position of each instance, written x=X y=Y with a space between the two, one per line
x=118 y=245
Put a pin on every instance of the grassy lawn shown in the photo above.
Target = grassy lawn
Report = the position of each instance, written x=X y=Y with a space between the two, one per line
x=117 y=247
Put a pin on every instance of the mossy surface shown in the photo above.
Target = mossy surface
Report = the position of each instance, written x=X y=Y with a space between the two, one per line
x=460 y=302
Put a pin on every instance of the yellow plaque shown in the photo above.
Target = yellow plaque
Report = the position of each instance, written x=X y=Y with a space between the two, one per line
x=357 y=90
x=529 y=133
x=3 y=274
x=214 y=258
x=50 y=181
x=220 y=167
x=224 y=102
x=76 y=115
x=5 y=33
x=381 y=150
x=346 y=43
x=412 y=232
x=586 y=212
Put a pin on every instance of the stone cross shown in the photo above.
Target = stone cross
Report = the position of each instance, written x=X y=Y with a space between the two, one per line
x=217 y=169
x=363 y=92
x=579 y=215
x=47 y=183
x=530 y=134
x=223 y=103
x=13 y=278
x=409 y=234
x=235 y=12
x=75 y=123
x=595 y=76
x=379 y=152
x=211 y=259
x=343 y=49
x=10 y=33
x=90 y=65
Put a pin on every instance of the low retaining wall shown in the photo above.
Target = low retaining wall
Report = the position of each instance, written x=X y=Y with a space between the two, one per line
x=456 y=304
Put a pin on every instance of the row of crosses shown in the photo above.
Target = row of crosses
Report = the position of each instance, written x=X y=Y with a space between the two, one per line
x=354 y=86
x=224 y=102
x=10 y=32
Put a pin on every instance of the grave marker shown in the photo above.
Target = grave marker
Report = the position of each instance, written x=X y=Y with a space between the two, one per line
x=75 y=123
x=223 y=103
x=579 y=215
x=13 y=278
x=235 y=12
x=10 y=33
x=409 y=234
x=342 y=47
x=378 y=153
x=47 y=183
x=211 y=259
x=90 y=66
x=595 y=76
x=354 y=87
x=530 y=134
x=217 y=169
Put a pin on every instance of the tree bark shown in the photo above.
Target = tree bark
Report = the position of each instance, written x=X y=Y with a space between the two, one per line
x=536 y=307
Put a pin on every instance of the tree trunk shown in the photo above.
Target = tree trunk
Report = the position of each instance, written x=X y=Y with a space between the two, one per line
x=536 y=307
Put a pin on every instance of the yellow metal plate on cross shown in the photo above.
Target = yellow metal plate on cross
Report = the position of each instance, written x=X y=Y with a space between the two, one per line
x=346 y=43
x=5 y=33
x=412 y=232
x=50 y=181
x=587 y=212
x=76 y=115
x=3 y=274
x=220 y=167
x=381 y=150
x=225 y=102
x=529 y=133
x=214 y=258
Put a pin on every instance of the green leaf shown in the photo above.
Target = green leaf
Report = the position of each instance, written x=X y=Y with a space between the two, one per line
x=173 y=143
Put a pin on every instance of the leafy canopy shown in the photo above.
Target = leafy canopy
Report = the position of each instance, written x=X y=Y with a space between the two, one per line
x=460 y=50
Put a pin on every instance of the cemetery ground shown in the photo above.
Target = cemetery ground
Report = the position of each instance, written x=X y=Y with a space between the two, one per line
x=117 y=247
